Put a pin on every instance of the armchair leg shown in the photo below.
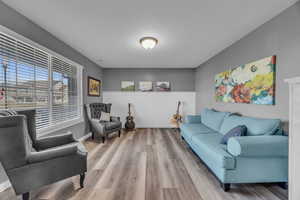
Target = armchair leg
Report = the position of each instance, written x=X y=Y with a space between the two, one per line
x=103 y=139
x=25 y=196
x=93 y=136
x=119 y=133
x=82 y=177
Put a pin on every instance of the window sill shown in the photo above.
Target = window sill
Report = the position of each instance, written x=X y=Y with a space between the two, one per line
x=59 y=127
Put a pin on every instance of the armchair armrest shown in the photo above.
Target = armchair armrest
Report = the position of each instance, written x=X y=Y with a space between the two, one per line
x=54 y=141
x=99 y=127
x=258 y=146
x=114 y=119
x=41 y=156
x=191 y=119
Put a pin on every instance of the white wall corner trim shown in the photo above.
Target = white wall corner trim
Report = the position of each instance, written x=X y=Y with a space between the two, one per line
x=294 y=138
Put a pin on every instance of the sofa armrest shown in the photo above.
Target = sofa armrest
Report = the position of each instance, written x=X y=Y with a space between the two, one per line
x=45 y=155
x=258 y=146
x=54 y=141
x=192 y=119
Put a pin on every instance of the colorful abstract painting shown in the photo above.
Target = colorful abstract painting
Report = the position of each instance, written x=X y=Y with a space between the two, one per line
x=253 y=83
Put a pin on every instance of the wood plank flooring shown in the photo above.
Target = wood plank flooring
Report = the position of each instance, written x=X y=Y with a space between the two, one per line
x=149 y=164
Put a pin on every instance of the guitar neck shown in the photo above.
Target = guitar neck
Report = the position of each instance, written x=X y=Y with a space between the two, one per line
x=129 y=113
x=177 y=112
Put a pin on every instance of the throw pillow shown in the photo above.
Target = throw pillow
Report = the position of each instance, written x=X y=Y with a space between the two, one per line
x=105 y=117
x=235 y=132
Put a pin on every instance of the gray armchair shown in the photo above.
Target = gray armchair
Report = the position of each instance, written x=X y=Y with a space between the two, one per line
x=102 y=128
x=31 y=162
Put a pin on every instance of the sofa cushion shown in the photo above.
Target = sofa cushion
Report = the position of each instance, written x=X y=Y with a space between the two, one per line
x=190 y=130
x=213 y=119
x=112 y=125
x=235 y=132
x=209 y=149
x=255 y=126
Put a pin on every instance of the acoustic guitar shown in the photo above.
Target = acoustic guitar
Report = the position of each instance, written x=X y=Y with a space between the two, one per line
x=177 y=118
x=129 y=125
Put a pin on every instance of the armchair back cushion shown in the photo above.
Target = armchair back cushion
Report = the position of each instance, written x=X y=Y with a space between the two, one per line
x=31 y=123
x=14 y=146
x=255 y=126
x=213 y=119
x=95 y=109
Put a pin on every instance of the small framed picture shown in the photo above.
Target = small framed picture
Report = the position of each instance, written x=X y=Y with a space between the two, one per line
x=94 y=87
x=163 y=86
x=145 y=86
x=127 y=86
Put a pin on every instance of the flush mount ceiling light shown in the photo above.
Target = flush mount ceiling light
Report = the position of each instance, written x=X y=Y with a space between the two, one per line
x=148 y=42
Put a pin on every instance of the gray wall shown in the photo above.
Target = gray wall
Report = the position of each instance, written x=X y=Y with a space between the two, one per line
x=281 y=37
x=180 y=79
x=18 y=23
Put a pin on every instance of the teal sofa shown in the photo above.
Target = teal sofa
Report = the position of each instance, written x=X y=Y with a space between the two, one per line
x=259 y=157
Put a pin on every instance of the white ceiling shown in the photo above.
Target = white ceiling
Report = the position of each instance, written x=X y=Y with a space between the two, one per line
x=189 y=31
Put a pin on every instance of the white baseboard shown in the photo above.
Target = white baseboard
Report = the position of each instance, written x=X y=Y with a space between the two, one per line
x=85 y=137
x=5 y=185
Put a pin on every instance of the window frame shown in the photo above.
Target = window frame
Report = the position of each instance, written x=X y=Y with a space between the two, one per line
x=53 y=128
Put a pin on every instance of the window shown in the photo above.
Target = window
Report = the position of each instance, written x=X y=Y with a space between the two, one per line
x=35 y=78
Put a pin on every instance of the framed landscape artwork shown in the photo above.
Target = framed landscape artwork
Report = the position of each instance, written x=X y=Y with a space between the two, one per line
x=163 y=86
x=127 y=86
x=94 y=86
x=145 y=86
x=252 y=83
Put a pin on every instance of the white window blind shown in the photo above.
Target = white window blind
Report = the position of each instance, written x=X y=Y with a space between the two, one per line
x=64 y=90
x=33 y=78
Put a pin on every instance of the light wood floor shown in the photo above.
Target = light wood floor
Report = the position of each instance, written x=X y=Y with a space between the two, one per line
x=150 y=164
